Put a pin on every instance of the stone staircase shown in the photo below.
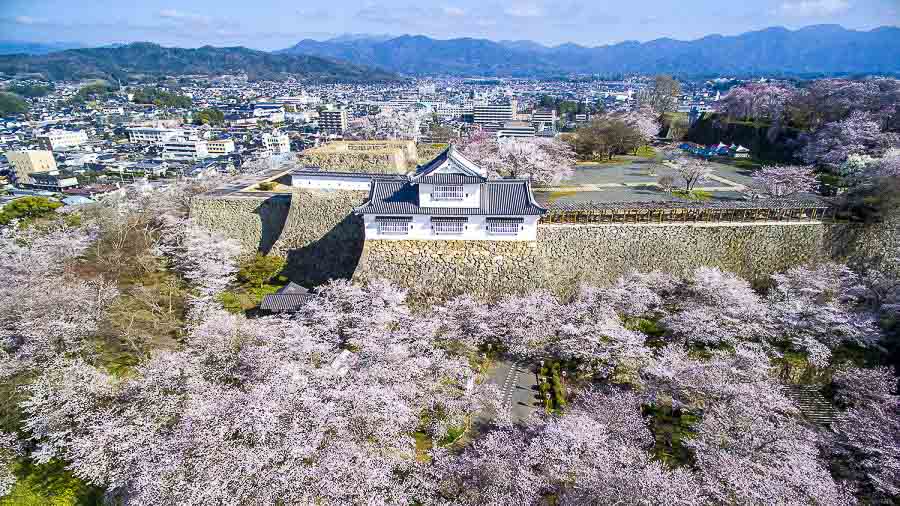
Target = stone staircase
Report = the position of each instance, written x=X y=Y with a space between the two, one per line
x=814 y=407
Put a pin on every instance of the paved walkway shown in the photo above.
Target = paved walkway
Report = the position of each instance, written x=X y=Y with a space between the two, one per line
x=518 y=387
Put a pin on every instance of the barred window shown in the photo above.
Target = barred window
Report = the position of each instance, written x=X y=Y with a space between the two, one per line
x=393 y=226
x=447 y=192
x=448 y=227
x=502 y=228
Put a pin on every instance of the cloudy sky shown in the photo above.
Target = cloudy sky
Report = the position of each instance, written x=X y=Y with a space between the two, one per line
x=274 y=24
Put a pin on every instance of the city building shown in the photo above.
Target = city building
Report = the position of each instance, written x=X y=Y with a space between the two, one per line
x=148 y=135
x=491 y=117
x=27 y=162
x=333 y=121
x=182 y=148
x=541 y=118
x=516 y=129
x=220 y=147
x=62 y=139
x=276 y=143
x=53 y=181
x=450 y=198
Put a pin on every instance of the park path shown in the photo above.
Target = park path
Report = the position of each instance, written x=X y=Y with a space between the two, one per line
x=517 y=384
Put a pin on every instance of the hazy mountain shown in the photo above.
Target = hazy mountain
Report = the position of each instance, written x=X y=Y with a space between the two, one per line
x=20 y=47
x=351 y=37
x=820 y=49
x=147 y=58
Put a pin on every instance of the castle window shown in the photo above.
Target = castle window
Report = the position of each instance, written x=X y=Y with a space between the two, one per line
x=447 y=192
x=390 y=225
x=448 y=226
x=503 y=226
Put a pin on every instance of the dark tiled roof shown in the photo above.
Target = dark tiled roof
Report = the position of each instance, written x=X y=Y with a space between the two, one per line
x=508 y=197
x=457 y=160
x=292 y=287
x=284 y=302
x=288 y=298
x=450 y=179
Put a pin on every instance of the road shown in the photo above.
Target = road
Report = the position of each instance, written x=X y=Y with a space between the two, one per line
x=518 y=387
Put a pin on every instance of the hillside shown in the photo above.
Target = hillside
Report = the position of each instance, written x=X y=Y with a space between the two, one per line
x=146 y=58
x=820 y=49
x=23 y=47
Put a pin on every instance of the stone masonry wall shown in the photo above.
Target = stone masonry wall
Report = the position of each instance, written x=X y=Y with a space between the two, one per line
x=313 y=229
x=316 y=232
x=566 y=255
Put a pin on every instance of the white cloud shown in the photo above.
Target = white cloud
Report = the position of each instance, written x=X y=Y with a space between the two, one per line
x=814 y=7
x=28 y=20
x=184 y=16
x=525 y=11
x=453 y=11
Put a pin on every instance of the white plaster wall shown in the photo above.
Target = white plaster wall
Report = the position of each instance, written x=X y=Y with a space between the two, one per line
x=331 y=183
x=475 y=230
x=472 y=200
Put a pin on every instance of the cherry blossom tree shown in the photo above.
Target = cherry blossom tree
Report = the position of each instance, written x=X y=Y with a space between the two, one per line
x=750 y=445
x=867 y=434
x=644 y=121
x=252 y=411
x=691 y=171
x=860 y=133
x=207 y=259
x=45 y=311
x=10 y=449
x=387 y=125
x=785 y=180
x=817 y=309
x=544 y=161
x=595 y=453
x=887 y=166
x=715 y=308
x=758 y=100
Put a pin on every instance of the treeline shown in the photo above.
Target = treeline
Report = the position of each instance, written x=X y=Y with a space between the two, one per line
x=91 y=92
x=161 y=98
x=11 y=104
x=29 y=90
x=211 y=116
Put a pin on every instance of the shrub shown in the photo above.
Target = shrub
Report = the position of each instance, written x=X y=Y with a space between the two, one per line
x=266 y=187
x=28 y=208
x=260 y=269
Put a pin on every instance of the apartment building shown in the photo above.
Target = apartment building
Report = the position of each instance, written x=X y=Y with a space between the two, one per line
x=516 y=129
x=62 y=139
x=276 y=143
x=27 y=162
x=491 y=117
x=147 y=135
x=333 y=121
x=220 y=147
x=182 y=148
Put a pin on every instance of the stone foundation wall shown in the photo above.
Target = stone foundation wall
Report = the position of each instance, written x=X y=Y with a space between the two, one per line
x=316 y=232
x=565 y=256
x=313 y=229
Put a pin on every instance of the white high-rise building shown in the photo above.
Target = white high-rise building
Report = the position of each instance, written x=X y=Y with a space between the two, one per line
x=182 y=148
x=276 y=143
x=493 y=116
x=61 y=139
x=333 y=121
x=147 y=135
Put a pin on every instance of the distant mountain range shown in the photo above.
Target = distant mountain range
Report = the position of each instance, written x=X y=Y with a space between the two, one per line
x=819 y=49
x=21 y=47
x=147 y=58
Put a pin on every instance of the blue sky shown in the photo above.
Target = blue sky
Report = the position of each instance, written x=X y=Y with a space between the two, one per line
x=273 y=24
